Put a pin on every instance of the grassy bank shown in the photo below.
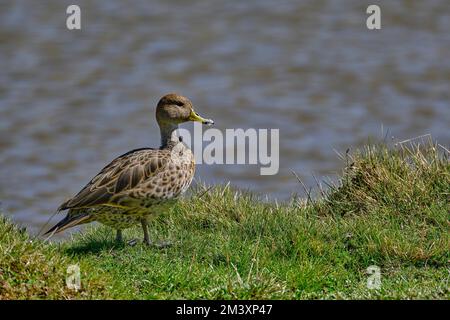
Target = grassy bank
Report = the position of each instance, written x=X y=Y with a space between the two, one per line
x=391 y=209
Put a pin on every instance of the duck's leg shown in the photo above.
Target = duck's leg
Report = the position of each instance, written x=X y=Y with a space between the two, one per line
x=144 y=224
x=119 y=237
x=147 y=240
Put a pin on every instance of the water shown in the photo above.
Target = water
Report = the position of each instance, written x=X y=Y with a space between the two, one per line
x=71 y=101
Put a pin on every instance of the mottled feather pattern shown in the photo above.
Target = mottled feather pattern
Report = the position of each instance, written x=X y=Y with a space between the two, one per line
x=136 y=174
x=134 y=185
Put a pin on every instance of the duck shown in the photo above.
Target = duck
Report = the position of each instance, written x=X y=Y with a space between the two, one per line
x=142 y=183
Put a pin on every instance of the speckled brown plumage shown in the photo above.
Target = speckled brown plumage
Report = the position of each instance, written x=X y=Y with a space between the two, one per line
x=141 y=183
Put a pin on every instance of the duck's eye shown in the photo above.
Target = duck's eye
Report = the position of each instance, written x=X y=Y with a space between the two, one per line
x=179 y=103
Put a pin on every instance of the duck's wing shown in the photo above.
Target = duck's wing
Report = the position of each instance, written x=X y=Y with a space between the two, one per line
x=119 y=177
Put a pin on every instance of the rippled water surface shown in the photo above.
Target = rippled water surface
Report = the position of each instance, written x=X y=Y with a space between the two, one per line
x=71 y=101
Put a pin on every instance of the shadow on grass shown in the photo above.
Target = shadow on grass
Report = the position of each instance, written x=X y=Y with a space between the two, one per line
x=94 y=247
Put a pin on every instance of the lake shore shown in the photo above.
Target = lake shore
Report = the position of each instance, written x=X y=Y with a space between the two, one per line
x=389 y=213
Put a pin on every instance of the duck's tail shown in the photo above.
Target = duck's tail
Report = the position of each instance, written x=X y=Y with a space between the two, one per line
x=69 y=221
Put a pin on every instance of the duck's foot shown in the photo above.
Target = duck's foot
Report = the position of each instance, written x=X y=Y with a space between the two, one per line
x=132 y=242
x=163 y=244
x=158 y=245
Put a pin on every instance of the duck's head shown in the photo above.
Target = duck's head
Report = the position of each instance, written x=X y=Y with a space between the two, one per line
x=174 y=109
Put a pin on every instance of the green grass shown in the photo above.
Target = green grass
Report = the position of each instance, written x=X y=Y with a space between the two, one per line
x=391 y=208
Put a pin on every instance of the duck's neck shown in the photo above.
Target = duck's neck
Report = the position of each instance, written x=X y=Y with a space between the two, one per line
x=168 y=133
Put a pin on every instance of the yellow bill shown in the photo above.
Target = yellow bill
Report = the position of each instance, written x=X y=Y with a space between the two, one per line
x=194 y=116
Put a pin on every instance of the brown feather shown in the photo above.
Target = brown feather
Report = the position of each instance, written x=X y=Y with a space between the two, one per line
x=118 y=179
